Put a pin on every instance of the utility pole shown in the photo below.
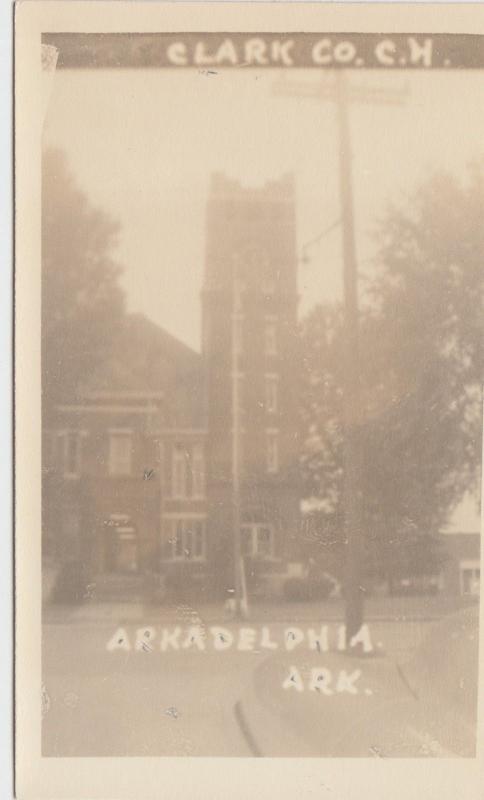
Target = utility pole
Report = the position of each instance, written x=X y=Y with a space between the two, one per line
x=240 y=601
x=341 y=92
x=352 y=458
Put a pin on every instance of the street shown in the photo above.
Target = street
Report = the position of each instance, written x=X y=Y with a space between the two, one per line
x=138 y=704
x=107 y=692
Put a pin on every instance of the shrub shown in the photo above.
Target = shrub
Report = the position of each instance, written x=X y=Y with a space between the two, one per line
x=71 y=583
x=307 y=589
x=156 y=589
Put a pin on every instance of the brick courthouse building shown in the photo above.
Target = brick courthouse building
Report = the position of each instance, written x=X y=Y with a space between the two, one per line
x=137 y=477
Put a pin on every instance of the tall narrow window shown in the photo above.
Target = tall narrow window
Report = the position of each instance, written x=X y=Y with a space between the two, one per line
x=178 y=539
x=268 y=288
x=240 y=395
x=264 y=543
x=238 y=333
x=67 y=453
x=72 y=453
x=270 y=338
x=237 y=384
x=188 y=539
x=272 y=452
x=271 y=382
x=257 y=540
x=179 y=472
x=51 y=450
x=198 y=471
x=198 y=538
x=120 y=453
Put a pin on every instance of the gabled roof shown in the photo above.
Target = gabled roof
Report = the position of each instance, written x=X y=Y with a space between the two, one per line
x=149 y=359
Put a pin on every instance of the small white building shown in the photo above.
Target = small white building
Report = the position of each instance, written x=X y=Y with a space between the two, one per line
x=461 y=572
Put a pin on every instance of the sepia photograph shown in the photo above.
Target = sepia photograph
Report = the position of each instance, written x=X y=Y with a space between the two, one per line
x=261 y=398
x=261 y=363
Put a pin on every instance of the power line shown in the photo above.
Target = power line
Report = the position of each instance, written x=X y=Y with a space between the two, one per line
x=337 y=89
x=317 y=239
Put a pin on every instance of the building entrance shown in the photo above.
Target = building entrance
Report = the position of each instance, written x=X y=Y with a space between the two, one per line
x=120 y=547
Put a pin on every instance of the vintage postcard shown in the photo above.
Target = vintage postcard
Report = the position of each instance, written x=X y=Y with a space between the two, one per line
x=249 y=349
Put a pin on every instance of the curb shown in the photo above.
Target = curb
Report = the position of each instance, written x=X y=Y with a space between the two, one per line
x=245 y=730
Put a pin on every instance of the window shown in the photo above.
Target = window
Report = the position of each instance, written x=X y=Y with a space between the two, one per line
x=238 y=293
x=470 y=576
x=50 y=451
x=127 y=555
x=263 y=541
x=268 y=288
x=270 y=338
x=257 y=540
x=198 y=471
x=271 y=393
x=179 y=472
x=120 y=453
x=272 y=451
x=177 y=540
x=186 y=539
x=238 y=333
x=237 y=453
x=121 y=545
x=188 y=471
x=238 y=384
x=67 y=453
x=72 y=453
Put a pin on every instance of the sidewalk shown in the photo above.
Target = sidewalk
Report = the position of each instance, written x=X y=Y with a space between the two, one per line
x=381 y=609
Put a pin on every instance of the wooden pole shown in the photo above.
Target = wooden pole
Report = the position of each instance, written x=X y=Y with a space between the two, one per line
x=239 y=603
x=352 y=463
x=342 y=93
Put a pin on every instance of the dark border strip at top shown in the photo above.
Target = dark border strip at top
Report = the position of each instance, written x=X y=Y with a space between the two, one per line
x=282 y=50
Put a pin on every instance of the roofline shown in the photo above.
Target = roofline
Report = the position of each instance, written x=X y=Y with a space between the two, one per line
x=180 y=432
x=116 y=409
x=97 y=395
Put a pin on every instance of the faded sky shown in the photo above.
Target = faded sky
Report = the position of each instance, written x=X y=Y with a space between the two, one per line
x=143 y=143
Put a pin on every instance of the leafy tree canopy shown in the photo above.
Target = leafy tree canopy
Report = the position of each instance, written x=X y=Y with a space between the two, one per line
x=421 y=366
x=82 y=302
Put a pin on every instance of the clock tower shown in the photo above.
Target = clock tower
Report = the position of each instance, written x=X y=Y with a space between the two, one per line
x=249 y=342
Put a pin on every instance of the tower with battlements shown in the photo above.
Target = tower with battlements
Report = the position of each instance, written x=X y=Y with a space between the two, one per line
x=249 y=340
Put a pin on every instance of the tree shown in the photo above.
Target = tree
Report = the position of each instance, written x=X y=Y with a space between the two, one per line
x=429 y=293
x=82 y=302
x=421 y=354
